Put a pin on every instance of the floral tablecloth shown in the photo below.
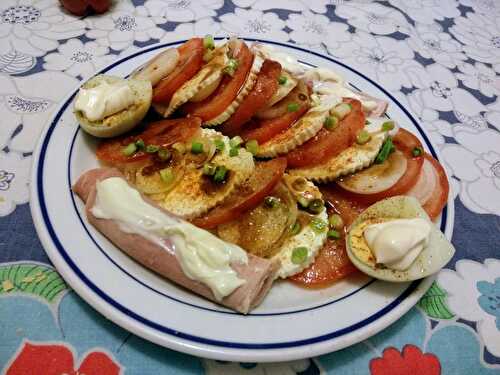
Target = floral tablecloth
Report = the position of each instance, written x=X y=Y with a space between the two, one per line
x=440 y=58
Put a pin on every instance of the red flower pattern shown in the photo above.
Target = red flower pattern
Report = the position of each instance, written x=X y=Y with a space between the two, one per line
x=410 y=362
x=50 y=359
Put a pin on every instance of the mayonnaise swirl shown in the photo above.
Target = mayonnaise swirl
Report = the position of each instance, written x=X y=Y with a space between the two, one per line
x=397 y=243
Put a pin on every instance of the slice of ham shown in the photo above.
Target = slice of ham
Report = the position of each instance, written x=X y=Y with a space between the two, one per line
x=258 y=273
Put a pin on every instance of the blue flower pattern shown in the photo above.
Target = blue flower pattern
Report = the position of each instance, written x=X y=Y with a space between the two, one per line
x=490 y=298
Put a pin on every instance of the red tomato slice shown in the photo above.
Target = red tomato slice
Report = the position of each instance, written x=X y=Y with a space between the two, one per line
x=327 y=144
x=227 y=91
x=161 y=133
x=332 y=262
x=190 y=62
x=404 y=142
x=265 y=177
x=262 y=92
x=436 y=181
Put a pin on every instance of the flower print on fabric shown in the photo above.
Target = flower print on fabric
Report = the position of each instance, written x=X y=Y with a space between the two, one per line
x=254 y=24
x=490 y=8
x=410 y=360
x=475 y=162
x=410 y=343
x=78 y=59
x=479 y=77
x=59 y=359
x=479 y=285
x=26 y=101
x=14 y=180
x=440 y=91
x=123 y=25
x=317 y=6
x=303 y=366
x=427 y=11
x=313 y=30
x=34 y=27
x=493 y=114
x=481 y=36
x=373 y=17
x=183 y=10
x=432 y=43
x=382 y=58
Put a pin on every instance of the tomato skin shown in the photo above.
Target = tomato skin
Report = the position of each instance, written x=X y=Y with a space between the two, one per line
x=332 y=262
x=161 y=133
x=76 y=7
x=265 y=87
x=266 y=129
x=404 y=142
x=227 y=91
x=327 y=144
x=190 y=62
x=265 y=177
x=439 y=197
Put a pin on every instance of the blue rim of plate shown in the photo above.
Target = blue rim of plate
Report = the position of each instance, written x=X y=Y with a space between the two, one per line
x=202 y=340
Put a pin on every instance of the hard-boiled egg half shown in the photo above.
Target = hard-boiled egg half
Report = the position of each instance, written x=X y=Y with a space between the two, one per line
x=107 y=106
x=394 y=240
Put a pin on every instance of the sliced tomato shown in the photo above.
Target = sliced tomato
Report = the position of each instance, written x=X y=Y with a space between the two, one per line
x=161 y=133
x=227 y=91
x=263 y=180
x=405 y=142
x=432 y=187
x=327 y=144
x=190 y=62
x=332 y=262
x=265 y=87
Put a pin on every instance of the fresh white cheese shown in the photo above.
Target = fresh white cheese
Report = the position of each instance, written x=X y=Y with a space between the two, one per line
x=104 y=99
x=202 y=256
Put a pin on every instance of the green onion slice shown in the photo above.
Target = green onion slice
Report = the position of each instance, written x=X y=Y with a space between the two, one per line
x=208 y=42
x=336 y=221
x=252 y=146
x=234 y=151
x=151 y=149
x=388 y=126
x=330 y=122
x=417 y=151
x=236 y=141
x=385 y=151
x=129 y=150
x=318 y=225
x=219 y=144
x=295 y=228
x=299 y=254
x=271 y=202
x=209 y=169
x=220 y=174
x=164 y=154
x=316 y=206
x=196 y=147
x=282 y=80
x=167 y=175
x=140 y=144
x=333 y=234
x=363 y=137
x=292 y=107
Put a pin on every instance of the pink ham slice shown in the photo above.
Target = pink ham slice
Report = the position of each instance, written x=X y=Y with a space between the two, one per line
x=258 y=273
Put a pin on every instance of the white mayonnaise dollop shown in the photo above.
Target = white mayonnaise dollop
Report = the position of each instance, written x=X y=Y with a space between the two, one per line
x=397 y=243
x=202 y=256
x=104 y=100
x=287 y=62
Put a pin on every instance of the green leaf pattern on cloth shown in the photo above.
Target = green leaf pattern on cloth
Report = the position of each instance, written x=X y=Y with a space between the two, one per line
x=434 y=303
x=32 y=278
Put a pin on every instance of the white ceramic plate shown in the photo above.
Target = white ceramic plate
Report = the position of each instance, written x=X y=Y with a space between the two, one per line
x=291 y=323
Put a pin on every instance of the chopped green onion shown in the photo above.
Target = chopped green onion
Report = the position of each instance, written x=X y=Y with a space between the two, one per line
x=129 y=150
x=333 y=234
x=208 y=55
x=330 y=122
x=209 y=169
x=235 y=141
x=164 y=154
x=151 y=149
x=303 y=201
x=292 y=107
x=385 y=150
x=179 y=147
x=196 y=147
x=167 y=175
x=295 y=228
x=316 y=206
x=367 y=122
x=341 y=110
x=140 y=144
x=318 y=225
x=363 y=137
x=220 y=174
x=271 y=202
x=417 y=151
x=336 y=221
x=252 y=146
x=234 y=151
x=208 y=42
x=282 y=80
x=219 y=144
x=388 y=126
x=231 y=66
x=299 y=254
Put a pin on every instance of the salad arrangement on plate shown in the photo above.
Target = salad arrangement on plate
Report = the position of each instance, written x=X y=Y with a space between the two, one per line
x=255 y=169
